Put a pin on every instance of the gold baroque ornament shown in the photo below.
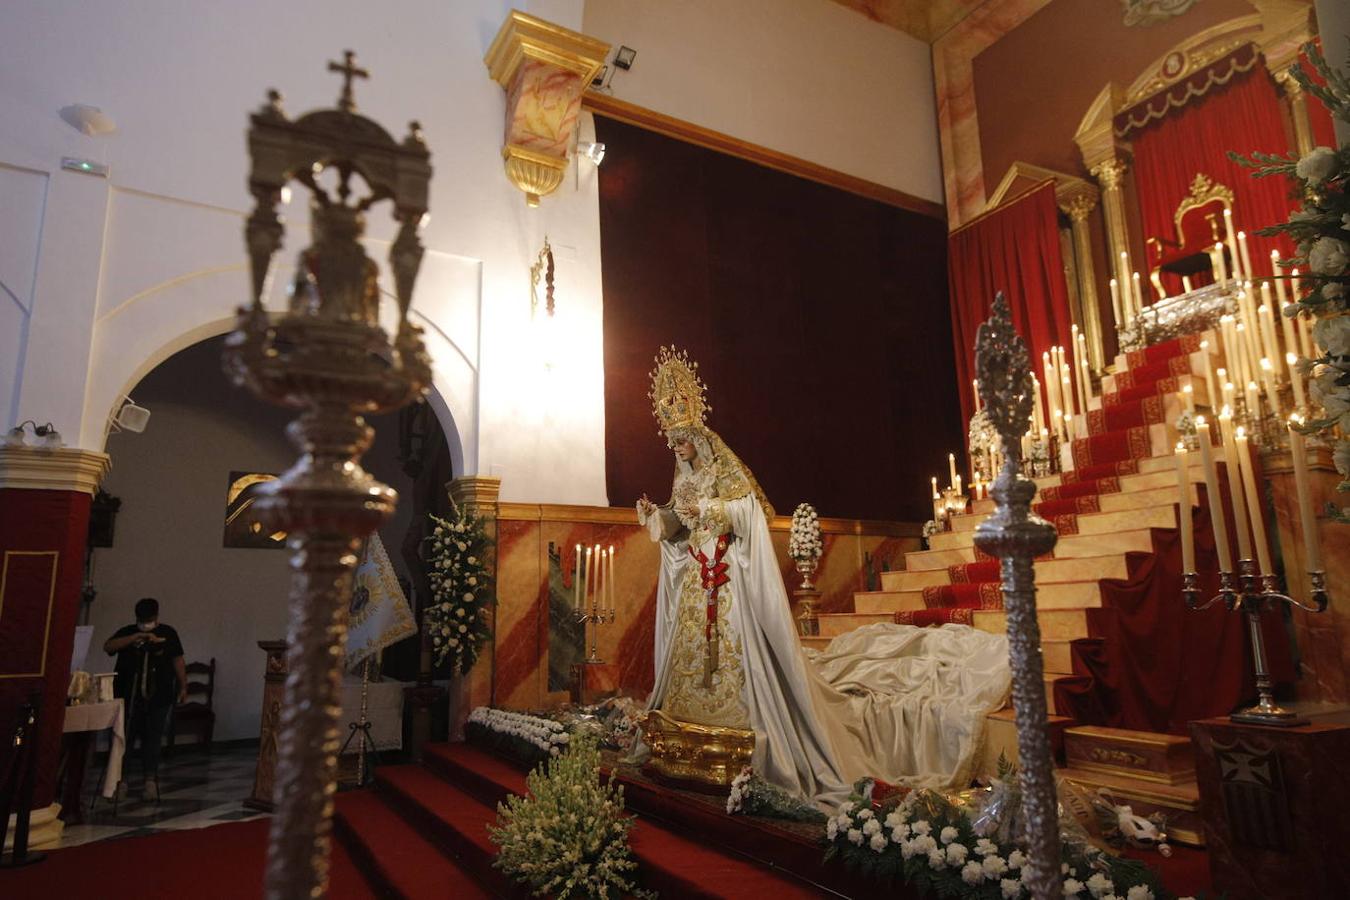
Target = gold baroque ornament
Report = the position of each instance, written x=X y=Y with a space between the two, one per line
x=327 y=356
x=1154 y=12
x=677 y=394
x=702 y=754
x=1016 y=536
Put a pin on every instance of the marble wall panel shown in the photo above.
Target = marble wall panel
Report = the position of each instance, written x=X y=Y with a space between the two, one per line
x=520 y=668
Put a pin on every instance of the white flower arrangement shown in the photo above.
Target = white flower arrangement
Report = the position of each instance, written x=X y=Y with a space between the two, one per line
x=461 y=588
x=546 y=735
x=1321 y=231
x=568 y=836
x=754 y=796
x=933 y=845
x=804 y=543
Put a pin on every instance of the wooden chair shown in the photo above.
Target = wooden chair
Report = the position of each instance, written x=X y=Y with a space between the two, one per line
x=196 y=715
x=1199 y=224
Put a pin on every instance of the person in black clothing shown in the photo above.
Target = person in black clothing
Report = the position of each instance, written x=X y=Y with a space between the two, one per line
x=150 y=678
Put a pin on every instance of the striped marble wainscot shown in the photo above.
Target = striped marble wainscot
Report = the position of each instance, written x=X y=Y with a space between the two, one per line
x=536 y=555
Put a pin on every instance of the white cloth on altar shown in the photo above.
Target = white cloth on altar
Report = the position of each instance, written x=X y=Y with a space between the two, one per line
x=878 y=704
x=101 y=717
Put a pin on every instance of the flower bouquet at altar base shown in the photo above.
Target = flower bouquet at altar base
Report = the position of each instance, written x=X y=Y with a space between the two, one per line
x=752 y=795
x=523 y=737
x=1321 y=231
x=965 y=846
x=456 y=618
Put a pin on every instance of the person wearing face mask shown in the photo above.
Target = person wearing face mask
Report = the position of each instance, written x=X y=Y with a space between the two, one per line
x=150 y=678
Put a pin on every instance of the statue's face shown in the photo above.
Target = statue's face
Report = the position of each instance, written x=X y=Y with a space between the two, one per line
x=685 y=451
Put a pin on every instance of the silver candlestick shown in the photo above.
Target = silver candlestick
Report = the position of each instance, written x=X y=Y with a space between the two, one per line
x=1253 y=594
x=1017 y=537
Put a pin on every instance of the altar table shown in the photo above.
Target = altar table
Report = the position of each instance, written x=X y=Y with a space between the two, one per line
x=82 y=722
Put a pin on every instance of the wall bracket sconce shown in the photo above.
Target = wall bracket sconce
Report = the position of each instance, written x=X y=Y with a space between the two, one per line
x=544 y=69
x=48 y=438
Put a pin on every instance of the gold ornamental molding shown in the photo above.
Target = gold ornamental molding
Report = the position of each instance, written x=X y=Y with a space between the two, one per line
x=623 y=515
x=705 y=754
x=544 y=69
x=476 y=491
x=62 y=469
x=1069 y=189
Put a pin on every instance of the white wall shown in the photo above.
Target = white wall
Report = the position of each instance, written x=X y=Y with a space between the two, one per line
x=100 y=280
x=809 y=78
x=168 y=542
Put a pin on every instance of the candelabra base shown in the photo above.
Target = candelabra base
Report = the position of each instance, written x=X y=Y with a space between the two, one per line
x=1273 y=715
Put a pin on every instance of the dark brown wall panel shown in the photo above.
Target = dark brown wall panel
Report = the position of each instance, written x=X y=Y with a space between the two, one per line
x=819 y=319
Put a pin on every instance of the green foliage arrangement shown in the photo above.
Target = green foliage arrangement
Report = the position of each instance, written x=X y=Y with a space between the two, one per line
x=456 y=618
x=569 y=836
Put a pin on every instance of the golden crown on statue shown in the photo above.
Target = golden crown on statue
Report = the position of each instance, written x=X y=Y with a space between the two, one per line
x=677 y=392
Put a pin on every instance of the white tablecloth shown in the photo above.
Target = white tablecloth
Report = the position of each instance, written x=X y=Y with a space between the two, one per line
x=98 y=717
x=384 y=710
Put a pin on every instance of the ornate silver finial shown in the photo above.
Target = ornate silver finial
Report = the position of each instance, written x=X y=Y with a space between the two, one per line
x=1017 y=537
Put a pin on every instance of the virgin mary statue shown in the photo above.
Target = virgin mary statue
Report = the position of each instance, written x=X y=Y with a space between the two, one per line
x=889 y=701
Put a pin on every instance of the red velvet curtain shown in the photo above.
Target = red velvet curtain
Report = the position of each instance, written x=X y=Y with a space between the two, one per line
x=1014 y=249
x=1245 y=115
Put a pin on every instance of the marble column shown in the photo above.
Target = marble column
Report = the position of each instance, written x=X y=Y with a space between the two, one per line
x=1296 y=103
x=1078 y=204
x=44 y=522
x=1110 y=174
x=479 y=495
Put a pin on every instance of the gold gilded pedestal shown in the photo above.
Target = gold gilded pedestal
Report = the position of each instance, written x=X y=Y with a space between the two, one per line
x=698 y=756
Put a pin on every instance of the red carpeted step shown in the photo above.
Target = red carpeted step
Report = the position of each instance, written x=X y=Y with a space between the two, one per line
x=1149 y=411
x=1114 y=446
x=974 y=573
x=1182 y=346
x=670 y=863
x=1134 y=394
x=1152 y=373
x=222 y=862
x=984 y=595
x=394 y=855
x=1109 y=485
x=1050 y=508
x=932 y=618
x=1103 y=470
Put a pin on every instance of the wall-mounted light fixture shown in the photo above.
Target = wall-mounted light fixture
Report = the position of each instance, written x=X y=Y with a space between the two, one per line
x=130 y=417
x=48 y=438
x=592 y=150
x=623 y=59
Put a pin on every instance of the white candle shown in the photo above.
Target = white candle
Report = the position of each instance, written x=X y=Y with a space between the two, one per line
x=1235 y=484
x=1186 y=283
x=936 y=495
x=1296 y=379
x=951 y=467
x=1215 y=498
x=1080 y=365
x=611 y=580
x=1125 y=302
x=957 y=485
x=1138 y=294
x=1268 y=379
x=1279 y=282
x=1231 y=349
x=1294 y=284
x=576 y=581
x=1221 y=268
x=1115 y=303
x=1245 y=359
x=975 y=385
x=1253 y=397
x=1247 y=271
x=1210 y=396
x=1188 y=398
x=1304 y=491
x=1229 y=394
x=1069 y=403
x=1305 y=340
x=586 y=581
x=1184 y=510
x=1051 y=385
x=1060 y=428
x=1291 y=346
x=1269 y=342
x=1253 y=501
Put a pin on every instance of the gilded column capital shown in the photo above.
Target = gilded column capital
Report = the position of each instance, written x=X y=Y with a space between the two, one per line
x=1078 y=201
x=1110 y=173
x=61 y=469
x=477 y=492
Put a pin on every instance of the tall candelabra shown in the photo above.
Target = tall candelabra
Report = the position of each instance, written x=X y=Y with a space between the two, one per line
x=1017 y=537
x=1251 y=593
x=327 y=356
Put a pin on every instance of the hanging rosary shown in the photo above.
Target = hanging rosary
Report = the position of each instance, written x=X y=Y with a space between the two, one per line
x=712 y=575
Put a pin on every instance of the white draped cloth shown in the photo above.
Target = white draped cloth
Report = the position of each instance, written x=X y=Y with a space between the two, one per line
x=895 y=702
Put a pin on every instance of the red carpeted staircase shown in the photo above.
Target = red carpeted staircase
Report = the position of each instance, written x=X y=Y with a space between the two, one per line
x=422 y=831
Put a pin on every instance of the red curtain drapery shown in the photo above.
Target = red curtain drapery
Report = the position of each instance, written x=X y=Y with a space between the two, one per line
x=1014 y=249
x=1245 y=115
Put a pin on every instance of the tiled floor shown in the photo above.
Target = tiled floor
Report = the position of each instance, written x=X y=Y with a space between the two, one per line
x=196 y=789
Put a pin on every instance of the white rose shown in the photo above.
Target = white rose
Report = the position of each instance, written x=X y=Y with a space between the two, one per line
x=937 y=860
x=1333 y=333
x=893 y=820
x=957 y=853
x=468 y=596
x=855 y=836
x=831 y=829
x=463 y=629
x=906 y=849
x=922 y=827
x=1017 y=859
x=472 y=560
x=865 y=814
x=972 y=873
x=1317 y=166
x=1139 y=892
x=461 y=546
x=1329 y=256
x=1099 y=884
x=995 y=866
x=1010 y=888
x=984 y=847
x=1072 y=887
x=947 y=835
x=871 y=827
x=878 y=842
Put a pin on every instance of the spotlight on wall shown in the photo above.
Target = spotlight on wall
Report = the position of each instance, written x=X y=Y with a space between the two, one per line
x=592 y=150
x=599 y=79
x=48 y=438
x=624 y=58
x=130 y=417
